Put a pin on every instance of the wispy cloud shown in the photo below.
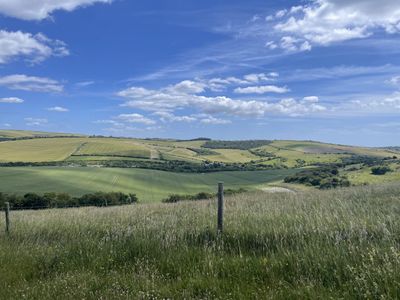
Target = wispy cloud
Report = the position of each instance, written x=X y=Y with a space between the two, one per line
x=14 y=100
x=261 y=89
x=36 y=121
x=85 y=83
x=135 y=118
x=58 y=109
x=31 y=83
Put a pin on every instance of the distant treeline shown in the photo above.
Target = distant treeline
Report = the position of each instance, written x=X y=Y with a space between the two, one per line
x=164 y=165
x=367 y=161
x=200 y=196
x=241 y=145
x=60 y=200
x=6 y=139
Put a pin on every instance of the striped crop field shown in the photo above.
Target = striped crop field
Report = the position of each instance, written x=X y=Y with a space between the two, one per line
x=39 y=150
x=114 y=147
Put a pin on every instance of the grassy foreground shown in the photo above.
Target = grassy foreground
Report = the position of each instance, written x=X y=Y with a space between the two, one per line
x=318 y=244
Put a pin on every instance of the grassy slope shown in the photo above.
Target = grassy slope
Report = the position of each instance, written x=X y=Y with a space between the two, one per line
x=38 y=150
x=149 y=185
x=365 y=176
x=340 y=244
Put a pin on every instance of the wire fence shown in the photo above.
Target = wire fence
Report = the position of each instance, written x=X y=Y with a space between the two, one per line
x=63 y=206
x=8 y=208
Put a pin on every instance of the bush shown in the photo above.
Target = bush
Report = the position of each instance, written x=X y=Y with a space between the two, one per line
x=323 y=177
x=200 y=196
x=54 y=200
x=380 y=170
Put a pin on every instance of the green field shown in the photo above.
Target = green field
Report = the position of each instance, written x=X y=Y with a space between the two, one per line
x=338 y=244
x=149 y=185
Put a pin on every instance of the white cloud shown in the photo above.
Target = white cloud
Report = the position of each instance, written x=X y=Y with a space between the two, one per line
x=262 y=89
x=169 y=117
x=58 y=109
x=11 y=100
x=219 y=84
x=110 y=122
x=271 y=45
x=6 y=125
x=311 y=99
x=379 y=104
x=31 y=83
x=323 y=22
x=215 y=121
x=40 y=9
x=135 y=118
x=280 y=13
x=394 y=81
x=187 y=86
x=170 y=100
x=35 y=121
x=34 y=48
x=85 y=83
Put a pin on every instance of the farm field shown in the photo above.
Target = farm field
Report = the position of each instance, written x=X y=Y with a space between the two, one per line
x=280 y=153
x=86 y=164
x=148 y=185
x=39 y=150
x=12 y=134
x=337 y=244
x=115 y=147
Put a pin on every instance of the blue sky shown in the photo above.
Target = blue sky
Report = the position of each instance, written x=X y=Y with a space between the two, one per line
x=325 y=70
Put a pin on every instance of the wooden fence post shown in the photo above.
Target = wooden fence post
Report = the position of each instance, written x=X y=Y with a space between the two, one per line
x=220 y=207
x=7 y=217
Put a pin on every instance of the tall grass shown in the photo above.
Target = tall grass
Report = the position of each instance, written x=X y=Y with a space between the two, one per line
x=320 y=244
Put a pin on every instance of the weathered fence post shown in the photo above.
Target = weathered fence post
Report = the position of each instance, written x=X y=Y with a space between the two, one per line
x=7 y=217
x=220 y=207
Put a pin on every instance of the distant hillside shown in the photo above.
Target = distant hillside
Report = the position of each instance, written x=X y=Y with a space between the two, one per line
x=312 y=164
x=20 y=134
x=34 y=146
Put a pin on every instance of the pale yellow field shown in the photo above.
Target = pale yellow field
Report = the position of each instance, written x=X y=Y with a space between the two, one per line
x=231 y=156
x=111 y=146
x=39 y=150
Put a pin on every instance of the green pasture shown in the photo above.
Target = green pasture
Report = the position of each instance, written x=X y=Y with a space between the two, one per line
x=149 y=185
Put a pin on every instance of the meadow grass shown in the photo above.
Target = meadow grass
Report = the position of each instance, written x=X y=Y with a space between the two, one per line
x=148 y=185
x=365 y=176
x=341 y=244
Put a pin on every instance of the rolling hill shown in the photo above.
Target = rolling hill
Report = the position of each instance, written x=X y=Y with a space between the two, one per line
x=41 y=162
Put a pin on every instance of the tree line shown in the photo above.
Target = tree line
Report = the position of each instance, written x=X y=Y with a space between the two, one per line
x=60 y=200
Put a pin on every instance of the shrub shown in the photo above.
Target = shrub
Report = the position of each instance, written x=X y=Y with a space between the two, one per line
x=53 y=200
x=380 y=170
x=322 y=177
